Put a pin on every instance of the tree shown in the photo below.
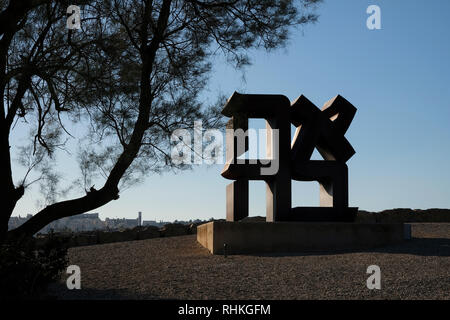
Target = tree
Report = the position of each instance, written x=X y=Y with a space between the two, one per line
x=132 y=74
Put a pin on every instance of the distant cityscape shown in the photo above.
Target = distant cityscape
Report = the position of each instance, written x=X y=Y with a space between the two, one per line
x=92 y=221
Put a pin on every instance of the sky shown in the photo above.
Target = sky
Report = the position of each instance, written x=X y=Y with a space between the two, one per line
x=397 y=77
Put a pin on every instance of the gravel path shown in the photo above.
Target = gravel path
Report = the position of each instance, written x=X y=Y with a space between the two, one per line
x=180 y=268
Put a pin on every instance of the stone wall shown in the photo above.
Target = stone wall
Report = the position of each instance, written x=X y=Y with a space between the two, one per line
x=177 y=229
x=404 y=215
x=138 y=233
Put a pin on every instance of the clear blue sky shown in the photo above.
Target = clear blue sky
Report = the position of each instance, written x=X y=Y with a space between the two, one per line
x=398 y=78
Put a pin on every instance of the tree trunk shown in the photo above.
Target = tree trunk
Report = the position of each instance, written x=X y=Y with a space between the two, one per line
x=109 y=192
x=9 y=192
x=92 y=200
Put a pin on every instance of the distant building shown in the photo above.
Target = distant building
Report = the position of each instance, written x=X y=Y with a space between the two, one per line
x=153 y=223
x=14 y=222
x=91 y=221
x=86 y=216
x=77 y=223
x=80 y=222
x=121 y=223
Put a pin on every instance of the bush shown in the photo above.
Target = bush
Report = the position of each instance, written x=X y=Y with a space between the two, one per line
x=174 y=229
x=27 y=269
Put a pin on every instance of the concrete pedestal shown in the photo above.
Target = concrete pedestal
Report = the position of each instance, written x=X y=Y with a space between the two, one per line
x=284 y=237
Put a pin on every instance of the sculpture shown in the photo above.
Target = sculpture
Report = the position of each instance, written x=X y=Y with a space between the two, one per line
x=322 y=129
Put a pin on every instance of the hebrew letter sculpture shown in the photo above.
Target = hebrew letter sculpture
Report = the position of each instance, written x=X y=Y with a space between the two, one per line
x=322 y=129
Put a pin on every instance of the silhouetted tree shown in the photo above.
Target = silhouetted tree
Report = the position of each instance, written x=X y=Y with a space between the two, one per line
x=131 y=75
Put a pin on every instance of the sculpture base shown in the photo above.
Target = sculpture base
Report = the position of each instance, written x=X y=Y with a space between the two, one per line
x=284 y=237
x=322 y=214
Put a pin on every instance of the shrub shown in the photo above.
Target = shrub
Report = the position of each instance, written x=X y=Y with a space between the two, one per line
x=27 y=269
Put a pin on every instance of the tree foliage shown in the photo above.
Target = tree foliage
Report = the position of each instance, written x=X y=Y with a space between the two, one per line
x=132 y=74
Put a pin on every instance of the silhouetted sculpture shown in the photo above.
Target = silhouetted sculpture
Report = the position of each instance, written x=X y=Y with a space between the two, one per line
x=323 y=130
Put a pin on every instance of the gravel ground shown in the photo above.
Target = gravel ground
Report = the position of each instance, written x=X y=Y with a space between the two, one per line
x=180 y=268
